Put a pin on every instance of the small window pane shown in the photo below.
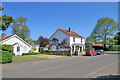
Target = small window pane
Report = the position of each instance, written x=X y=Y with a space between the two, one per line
x=18 y=48
x=73 y=39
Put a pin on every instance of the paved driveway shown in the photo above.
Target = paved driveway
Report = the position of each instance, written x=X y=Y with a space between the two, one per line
x=70 y=67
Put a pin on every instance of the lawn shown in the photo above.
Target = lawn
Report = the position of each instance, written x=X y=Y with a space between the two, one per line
x=17 y=59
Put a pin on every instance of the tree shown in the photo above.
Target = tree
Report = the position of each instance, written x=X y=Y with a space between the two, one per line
x=1 y=8
x=43 y=41
x=105 y=27
x=64 y=44
x=33 y=49
x=111 y=41
x=19 y=28
x=117 y=37
x=5 y=21
x=30 y=41
x=89 y=39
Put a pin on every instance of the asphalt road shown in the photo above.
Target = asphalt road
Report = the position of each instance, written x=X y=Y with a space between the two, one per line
x=71 y=67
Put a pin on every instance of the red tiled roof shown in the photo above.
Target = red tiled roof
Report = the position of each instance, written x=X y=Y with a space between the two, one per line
x=72 y=33
x=7 y=37
x=98 y=44
x=47 y=46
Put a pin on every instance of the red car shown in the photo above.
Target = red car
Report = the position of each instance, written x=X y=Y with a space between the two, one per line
x=91 y=52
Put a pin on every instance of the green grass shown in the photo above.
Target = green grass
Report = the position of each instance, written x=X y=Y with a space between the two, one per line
x=17 y=59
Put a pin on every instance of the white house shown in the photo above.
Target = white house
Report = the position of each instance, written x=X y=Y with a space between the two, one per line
x=19 y=45
x=75 y=41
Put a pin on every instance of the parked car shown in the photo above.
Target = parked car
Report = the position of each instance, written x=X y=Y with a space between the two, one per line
x=100 y=52
x=91 y=52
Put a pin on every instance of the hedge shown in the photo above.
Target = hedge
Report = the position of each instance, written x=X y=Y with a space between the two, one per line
x=49 y=52
x=33 y=53
x=114 y=48
x=62 y=54
x=13 y=54
x=5 y=57
x=6 y=47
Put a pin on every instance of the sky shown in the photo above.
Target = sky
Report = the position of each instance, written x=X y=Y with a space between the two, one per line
x=44 y=18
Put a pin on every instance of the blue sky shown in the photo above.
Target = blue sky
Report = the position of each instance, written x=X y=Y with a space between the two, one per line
x=45 y=18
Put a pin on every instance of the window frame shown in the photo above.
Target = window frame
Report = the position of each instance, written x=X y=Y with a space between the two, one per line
x=73 y=39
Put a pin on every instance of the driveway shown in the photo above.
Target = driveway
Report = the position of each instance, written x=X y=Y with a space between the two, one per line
x=68 y=67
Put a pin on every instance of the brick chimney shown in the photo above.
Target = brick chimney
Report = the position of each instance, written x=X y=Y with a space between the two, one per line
x=69 y=29
x=3 y=35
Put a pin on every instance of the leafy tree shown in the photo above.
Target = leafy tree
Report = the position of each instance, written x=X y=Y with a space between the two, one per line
x=5 y=21
x=33 y=49
x=30 y=41
x=111 y=41
x=43 y=41
x=64 y=43
x=117 y=37
x=89 y=40
x=105 y=27
x=19 y=28
x=1 y=8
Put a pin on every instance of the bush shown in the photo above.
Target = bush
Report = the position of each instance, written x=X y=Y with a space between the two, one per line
x=5 y=57
x=114 y=48
x=33 y=53
x=5 y=47
x=13 y=54
x=52 y=53
x=33 y=49
x=48 y=51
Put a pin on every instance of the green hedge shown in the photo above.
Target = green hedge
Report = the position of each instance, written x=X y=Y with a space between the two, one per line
x=33 y=53
x=5 y=47
x=48 y=51
x=62 y=54
x=5 y=57
x=115 y=48
x=13 y=54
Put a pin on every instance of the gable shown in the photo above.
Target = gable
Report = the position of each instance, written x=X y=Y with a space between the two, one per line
x=72 y=33
x=59 y=35
x=14 y=39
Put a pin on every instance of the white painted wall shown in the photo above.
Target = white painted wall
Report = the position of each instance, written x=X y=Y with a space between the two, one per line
x=12 y=40
x=60 y=36
x=77 y=40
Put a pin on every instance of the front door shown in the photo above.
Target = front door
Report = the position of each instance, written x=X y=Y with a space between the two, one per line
x=18 y=50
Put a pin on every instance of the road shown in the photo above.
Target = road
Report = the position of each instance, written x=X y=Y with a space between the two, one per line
x=70 y=67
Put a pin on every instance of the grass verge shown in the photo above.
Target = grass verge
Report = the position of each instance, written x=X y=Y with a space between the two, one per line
x=17 y=59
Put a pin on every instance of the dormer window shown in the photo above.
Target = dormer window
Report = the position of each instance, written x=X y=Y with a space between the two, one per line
x=81 y=40
x=73 y=39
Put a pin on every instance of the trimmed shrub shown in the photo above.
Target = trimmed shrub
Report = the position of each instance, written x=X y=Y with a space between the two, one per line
x=6 y=47
x=48 y=51
x=33 y=53
x=52 y=53
x=13 y=54
x=115 y=48
x=5 y=57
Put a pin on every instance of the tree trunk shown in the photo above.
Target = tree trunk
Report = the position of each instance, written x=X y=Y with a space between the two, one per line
x=105 y=42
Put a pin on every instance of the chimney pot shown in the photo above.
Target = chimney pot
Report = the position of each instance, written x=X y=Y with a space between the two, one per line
x=3 y=35
x=69 y=29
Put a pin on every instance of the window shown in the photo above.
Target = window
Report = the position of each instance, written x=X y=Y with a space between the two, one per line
x=81 y=40
x=25 y=48
x=18 y=48
x=73 y=39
